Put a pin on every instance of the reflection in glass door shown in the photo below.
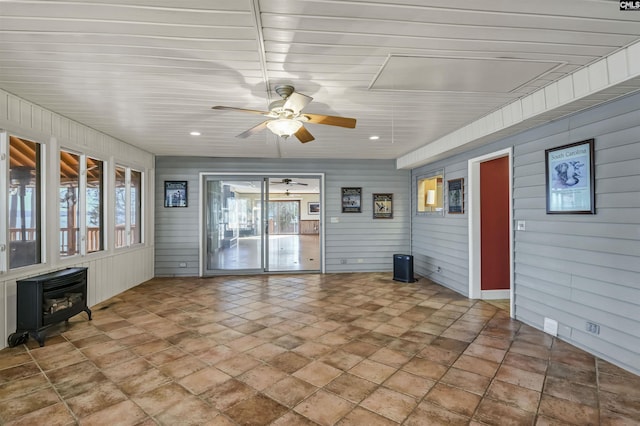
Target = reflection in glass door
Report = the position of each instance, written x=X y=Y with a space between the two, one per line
x=293 y=239
x=255 y=224
x=284 y=217
x=233 y=218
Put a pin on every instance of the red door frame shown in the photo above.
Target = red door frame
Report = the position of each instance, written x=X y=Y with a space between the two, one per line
x=473 y=196
x=494 y=224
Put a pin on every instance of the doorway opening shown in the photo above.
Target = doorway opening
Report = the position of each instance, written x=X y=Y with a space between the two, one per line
x=490 y=227
x=260 y=223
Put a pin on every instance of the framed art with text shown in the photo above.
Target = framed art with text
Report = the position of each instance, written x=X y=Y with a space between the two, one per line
x=175 y=193
x=456 y=196
x=351 y=200
x=570 y=178
x=383 y=206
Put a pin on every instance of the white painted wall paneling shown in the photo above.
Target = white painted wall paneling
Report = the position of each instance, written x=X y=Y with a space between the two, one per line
x=111 y=271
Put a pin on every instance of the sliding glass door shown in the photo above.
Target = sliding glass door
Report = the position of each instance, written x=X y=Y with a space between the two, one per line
x=256 y=224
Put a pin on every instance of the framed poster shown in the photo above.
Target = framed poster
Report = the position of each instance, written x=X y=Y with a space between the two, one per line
x=383 y=206
x=456 y=196
x=313 y=208
x=175 y=193
x=570 y=179
x=351 y=200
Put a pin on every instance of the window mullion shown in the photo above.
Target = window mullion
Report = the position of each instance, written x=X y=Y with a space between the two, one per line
x=3 y=196
x=82 y=205
x=127 y=206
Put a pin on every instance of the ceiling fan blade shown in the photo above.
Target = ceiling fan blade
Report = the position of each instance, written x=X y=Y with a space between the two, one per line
x=250 y=111
x=289 y=182
x=303 y=135
x=296 y=102
x=252 y=131
x=331 y=120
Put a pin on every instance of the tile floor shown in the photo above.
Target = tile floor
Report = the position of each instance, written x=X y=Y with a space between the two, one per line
x=345 y=349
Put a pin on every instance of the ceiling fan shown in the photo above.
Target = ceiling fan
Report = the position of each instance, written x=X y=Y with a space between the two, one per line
x=286 y=117
x=287 y=181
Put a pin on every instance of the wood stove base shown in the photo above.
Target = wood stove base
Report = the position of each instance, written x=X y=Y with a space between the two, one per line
x=49 y=299
x=22 y=336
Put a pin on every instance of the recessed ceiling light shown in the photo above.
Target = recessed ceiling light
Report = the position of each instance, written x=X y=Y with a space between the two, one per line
x=194 y=133
x=374 y=138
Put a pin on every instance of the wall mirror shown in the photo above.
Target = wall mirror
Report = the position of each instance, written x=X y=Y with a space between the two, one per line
x=430 y=193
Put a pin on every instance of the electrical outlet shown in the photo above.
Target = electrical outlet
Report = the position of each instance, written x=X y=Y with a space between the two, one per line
x=592 y=327
x=551 y=326
x=182 y=264
x=343 y=261
x=439 y=269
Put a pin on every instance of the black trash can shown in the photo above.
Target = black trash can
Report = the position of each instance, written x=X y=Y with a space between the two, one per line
x=403 y=268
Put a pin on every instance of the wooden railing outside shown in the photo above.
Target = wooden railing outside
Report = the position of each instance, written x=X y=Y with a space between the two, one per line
x=93 y=238
x=15 y=234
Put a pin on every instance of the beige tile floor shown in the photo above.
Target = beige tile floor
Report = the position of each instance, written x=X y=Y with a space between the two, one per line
x=346 y=349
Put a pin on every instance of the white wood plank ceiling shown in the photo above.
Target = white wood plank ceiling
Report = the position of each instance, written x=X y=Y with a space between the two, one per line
x=148 y=71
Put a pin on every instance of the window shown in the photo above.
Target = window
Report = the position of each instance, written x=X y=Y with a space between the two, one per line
x=94 y=212
x=136 y=207
x=80 y=198
x=430 y=193
x=68 y=192
x=121 y=207
x=23 y=204
x=128 y=202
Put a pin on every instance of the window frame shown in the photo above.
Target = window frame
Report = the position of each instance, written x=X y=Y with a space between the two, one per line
x=127 y=205
x=41 y=223
x=4 y=223
x=80 y=205
x=139 y=207
x=83 y=205
x=103 y=205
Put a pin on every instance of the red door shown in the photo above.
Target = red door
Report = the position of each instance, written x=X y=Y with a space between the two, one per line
x=494 y=224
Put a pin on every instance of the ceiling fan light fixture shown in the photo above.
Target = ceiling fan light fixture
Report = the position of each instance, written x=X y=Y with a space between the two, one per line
x=284 y=127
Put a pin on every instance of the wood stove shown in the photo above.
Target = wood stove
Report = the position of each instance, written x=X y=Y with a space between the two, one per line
x=48 y=299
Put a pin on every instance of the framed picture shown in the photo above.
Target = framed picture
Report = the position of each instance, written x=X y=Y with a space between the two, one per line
x=314 y=208
x=570 y=179
x=175 y=193
x=383 y=206
x=351 y=200
x=456 y=196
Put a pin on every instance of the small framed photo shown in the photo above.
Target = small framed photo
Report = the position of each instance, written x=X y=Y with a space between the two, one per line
x=570 y=178
x=383 y=206
x=313 y=208
x=351 y=200
x=456 y=196
x=175 y=193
